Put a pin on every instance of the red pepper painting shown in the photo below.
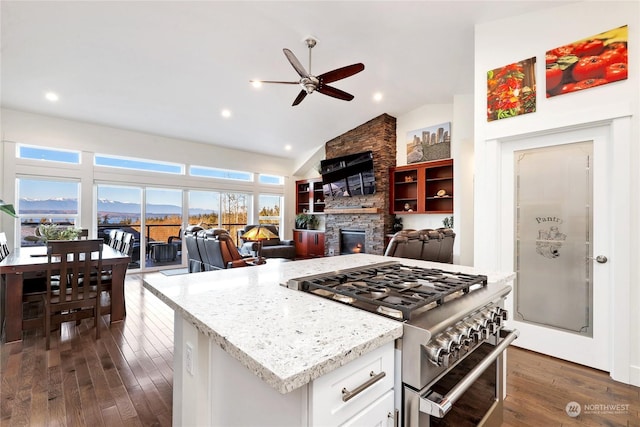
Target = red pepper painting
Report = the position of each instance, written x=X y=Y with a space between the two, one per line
x=594 y=61
x=511 y=90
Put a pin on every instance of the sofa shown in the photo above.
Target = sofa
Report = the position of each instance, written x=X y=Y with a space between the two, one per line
x=427 y=244
x=271 y=248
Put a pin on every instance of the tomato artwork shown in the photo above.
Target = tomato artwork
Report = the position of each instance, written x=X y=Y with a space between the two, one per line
x=615 y=72
x=554 y=77
x=590 y=67
x=587 y=63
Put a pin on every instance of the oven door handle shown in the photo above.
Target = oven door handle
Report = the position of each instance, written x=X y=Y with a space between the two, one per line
x=440 y=407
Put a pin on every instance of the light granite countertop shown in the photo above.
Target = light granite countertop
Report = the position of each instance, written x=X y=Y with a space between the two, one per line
x=286 y=337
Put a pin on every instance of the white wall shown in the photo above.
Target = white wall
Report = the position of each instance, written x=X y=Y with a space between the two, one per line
x=507 y=41
x=460 y=114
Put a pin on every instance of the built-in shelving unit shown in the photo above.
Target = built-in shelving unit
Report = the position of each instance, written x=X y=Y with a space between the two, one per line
x=422 y=188
x=309 y=196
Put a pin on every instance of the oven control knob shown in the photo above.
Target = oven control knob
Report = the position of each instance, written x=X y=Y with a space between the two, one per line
x=436 y=354
x=445 y=342
x=476 y=328
x=502 y=313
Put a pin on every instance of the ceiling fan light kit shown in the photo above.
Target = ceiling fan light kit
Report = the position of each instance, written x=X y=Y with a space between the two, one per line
x=311 y=83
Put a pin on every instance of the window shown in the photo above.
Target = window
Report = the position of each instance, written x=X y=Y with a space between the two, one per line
x=120 y=208
x=43 y=201
x=269 y=209
x=271 y=179
x=204 y=208
x=220 y=173
x=138 y=164
x=211 y=209
x=38 y=153
x=233 y=212
x=163 y=225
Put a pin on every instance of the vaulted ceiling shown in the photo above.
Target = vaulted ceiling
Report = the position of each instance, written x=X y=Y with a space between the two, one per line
x=170 y=67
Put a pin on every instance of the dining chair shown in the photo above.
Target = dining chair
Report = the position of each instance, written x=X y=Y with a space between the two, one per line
x=4 y=246
x=71 y=261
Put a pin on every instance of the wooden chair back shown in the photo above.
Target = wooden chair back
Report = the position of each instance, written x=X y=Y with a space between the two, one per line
x=76 y=264
x=4 y=246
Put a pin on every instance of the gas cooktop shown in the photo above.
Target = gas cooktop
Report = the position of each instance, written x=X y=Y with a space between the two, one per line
x=392 y=289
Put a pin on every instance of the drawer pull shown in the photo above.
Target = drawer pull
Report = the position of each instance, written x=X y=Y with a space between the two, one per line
x=347 y=395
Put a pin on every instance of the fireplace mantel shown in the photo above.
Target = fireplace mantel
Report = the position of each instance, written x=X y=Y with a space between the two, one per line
x=352 y=211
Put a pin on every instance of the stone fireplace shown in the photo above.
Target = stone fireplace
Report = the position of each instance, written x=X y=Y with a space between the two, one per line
x=368 y=214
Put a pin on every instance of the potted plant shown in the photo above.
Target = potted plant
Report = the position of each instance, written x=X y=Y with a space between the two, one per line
x=312 y=222
x=302 y=219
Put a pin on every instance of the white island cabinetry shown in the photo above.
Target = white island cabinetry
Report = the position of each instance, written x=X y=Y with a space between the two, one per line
x=223 y=392
x=250 y=352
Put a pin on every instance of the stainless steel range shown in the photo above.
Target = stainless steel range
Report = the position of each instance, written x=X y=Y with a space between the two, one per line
x=453 y=342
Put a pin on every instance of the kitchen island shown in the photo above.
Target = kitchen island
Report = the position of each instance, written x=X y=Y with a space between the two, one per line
x=239 y=333
x=248 y=351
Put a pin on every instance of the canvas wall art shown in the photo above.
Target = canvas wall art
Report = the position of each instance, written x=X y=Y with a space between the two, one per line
x=586 y=63
x=430 y=143
x=511 y=90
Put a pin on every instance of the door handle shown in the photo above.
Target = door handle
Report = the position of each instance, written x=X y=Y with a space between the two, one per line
x=599 y=259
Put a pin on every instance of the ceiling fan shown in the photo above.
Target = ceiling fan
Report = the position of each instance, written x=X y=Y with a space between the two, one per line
x=311 y=83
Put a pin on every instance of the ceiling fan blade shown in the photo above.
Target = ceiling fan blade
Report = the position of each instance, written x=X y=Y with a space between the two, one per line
x=295 y=63
x=341 y=73
x=299 y=98
x=273 y=81
x=336 y=93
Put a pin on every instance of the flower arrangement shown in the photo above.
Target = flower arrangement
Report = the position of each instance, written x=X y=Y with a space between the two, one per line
x=46 y=232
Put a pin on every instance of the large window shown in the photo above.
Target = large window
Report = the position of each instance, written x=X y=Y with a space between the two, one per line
x=211 y=209
x=269 y=209
x=233 y=211
x=163 y=225
x=120 y=208
x=45 y=202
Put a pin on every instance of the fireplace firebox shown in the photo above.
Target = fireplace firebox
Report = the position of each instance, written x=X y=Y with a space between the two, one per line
x=352 y=242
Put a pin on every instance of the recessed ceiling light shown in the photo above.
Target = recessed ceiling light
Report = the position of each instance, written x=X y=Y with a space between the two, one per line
x=288 y=147
x=51 y=96
x=256 y=83
x=377 y=96
x=226 y=113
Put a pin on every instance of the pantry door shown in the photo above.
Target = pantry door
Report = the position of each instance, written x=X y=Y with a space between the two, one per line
x=556 y=192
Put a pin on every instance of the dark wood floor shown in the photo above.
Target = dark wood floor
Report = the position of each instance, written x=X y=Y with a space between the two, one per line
x=125 y=378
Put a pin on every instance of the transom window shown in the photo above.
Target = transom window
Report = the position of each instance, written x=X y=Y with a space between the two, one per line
x=220 y=173
x=138 y=164
x=48 y=154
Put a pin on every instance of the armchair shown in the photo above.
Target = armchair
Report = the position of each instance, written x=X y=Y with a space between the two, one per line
x=270 y=248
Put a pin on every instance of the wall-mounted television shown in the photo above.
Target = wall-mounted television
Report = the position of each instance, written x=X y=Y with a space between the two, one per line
x=350 y=175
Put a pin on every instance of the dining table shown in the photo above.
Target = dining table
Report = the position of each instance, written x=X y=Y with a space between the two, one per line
x=32 y=261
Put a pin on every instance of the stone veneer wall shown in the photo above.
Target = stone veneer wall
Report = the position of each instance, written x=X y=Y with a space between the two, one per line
x=379 y=136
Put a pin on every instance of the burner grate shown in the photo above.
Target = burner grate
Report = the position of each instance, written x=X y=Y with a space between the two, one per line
x=397 y=287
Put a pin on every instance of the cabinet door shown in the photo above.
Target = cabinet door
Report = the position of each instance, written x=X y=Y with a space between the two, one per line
x=379 y=414
x=300 y=239
x=315 y=244
x=374 y=371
